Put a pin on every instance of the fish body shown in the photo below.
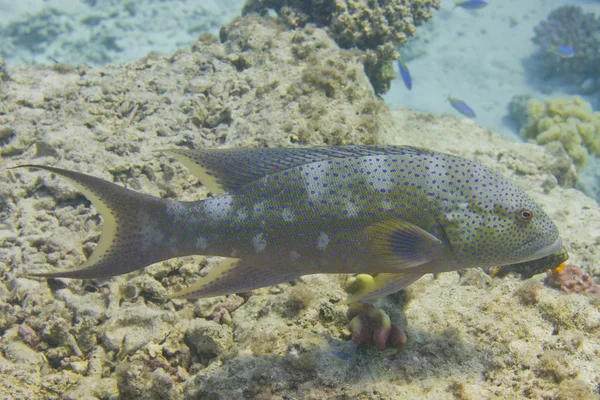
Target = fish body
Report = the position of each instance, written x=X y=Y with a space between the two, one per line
x=471 y=4
x=278 y=214
x=405 y=73
x=462 y=107
x=564 y=51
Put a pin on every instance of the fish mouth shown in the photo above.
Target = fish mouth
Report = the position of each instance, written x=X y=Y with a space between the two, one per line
x=544 y=251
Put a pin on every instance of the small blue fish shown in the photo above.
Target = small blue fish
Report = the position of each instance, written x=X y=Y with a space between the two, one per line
x=563 y=51
x=405 y=73
x=471 y=4
x=461 y=107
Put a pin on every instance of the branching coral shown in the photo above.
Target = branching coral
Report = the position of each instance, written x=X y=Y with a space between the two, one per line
x=375 y=26
x=370 y=324
x=570 y=26
x=570 y=122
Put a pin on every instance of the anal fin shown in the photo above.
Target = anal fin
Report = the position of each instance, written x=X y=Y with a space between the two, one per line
x=234 y=275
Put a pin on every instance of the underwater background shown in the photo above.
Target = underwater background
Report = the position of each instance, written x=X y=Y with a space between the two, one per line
x=99 y=86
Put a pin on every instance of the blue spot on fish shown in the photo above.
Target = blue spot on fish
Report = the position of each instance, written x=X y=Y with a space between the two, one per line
x=471 y=4
x=462 y=107
x=405 y=73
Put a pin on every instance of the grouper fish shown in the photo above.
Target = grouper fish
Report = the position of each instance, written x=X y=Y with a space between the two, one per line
x=277 y=214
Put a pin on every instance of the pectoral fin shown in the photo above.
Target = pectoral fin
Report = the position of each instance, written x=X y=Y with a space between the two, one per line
x=402 y=244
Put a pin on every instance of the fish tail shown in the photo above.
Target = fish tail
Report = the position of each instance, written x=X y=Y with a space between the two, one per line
x=128 y=242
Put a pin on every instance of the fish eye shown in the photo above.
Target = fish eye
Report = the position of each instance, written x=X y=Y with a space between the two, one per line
x=525 y=214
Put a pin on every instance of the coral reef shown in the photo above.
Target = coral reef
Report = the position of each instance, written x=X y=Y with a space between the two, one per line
x=568 y=122
x=571 y=279
x=361 y=24
x=120 y=338
x=375 y=27
x=369 y=324
x=570 y=26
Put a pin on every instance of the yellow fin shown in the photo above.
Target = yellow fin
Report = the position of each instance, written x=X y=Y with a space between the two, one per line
x=381 y=285
x=402 y=244
x=203 y=174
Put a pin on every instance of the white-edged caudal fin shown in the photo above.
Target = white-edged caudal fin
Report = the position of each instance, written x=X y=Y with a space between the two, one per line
x=233 y=275
x=123 y=244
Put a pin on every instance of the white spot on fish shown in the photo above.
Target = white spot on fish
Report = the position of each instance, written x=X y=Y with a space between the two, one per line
x=314 y=176
x=151 y=233
x=294 y=255
x=259 y=243
x=201 y=243
x=258 y=207
x=352 y=209
x=173 y=245
x=287 y=215
x=322 y=241
x=219 y=205
x=375 y=175
x=242 y=214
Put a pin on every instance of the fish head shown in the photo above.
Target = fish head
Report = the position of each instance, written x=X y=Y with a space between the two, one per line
x=497 y=224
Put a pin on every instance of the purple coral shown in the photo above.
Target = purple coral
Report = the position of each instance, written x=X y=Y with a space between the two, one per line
x=370 y=324
x=570 y=26
x=571 y=279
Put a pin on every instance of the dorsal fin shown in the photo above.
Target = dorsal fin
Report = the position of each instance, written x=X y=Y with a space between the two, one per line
x=223 y=170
